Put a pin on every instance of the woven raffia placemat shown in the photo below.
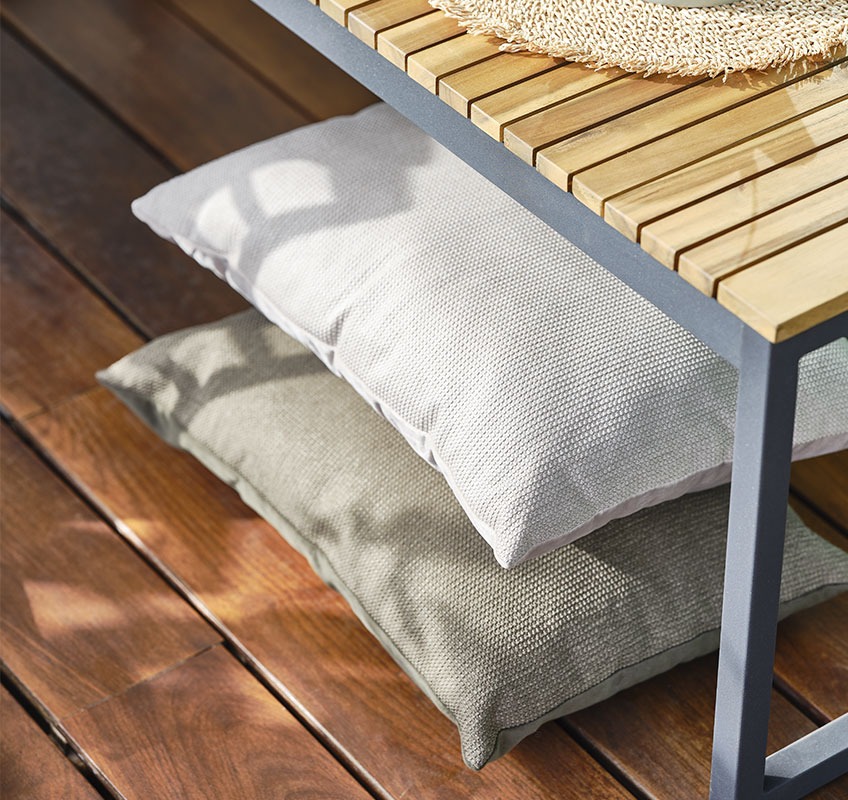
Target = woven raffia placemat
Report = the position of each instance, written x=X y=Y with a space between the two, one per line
x=648 y=38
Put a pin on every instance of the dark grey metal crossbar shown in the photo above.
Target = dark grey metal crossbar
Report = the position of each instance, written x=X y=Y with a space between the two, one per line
x=764 y=424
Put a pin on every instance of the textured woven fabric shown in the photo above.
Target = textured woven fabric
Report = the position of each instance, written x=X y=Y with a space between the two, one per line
x=499 y=651
x=640 y=36
x=551 y=396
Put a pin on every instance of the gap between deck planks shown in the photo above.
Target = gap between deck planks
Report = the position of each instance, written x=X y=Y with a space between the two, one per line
x=292 y=68
x=31 y=766
x=82 y=208
x=42 y=206
x=100 y=420
x=158 y=531
x=91 y=632
x=151 y=508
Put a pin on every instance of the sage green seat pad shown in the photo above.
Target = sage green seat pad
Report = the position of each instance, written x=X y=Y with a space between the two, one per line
x=498 y=651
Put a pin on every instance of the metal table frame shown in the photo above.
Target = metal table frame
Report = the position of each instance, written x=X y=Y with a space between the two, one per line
x=764 y=423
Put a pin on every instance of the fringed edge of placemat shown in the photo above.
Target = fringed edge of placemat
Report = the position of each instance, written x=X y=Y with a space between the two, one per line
x=819 y=49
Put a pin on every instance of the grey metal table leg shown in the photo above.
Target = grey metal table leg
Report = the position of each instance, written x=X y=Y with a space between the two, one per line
x=808 y=763
x=762 y=451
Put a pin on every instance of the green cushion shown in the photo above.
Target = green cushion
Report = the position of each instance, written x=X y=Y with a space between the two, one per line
x=498 y=651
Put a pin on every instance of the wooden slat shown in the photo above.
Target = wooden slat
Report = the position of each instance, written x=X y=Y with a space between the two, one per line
x=278 y=55
x=351 y=665
x=660 y=732
x=704 y=266
x=367 y=22
x=397 y=43
x=302 y=635
x=823 y=482
x=629 y=210
x=204 y=730
x=339 y=9
x=638 y=166
x=154 y=72
x=699 y=102
x=43 y=309
x=464 y=87
x=77 y=193
x=428 y=66
x=529 y=135
x=31 y=766
x=493 y=113
x=83 y=617
x=666 y=237
x=634 y=144
x=794 y=290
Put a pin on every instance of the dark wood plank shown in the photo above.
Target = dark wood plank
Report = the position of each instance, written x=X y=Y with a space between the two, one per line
x=660 y=732
x=298 y=632
x=31 y=766
x=811 y=662
x=323 y=661
x=161 y=77
x=83 y=616
x=207 y=729
x=56 y=333
x=812 y=658
x=823 y=482
x=281 y=58
x=73 y=174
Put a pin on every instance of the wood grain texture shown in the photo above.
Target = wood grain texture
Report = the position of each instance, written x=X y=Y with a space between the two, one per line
x=639 y=150
x=208 y=730
x=815 y=521
x=662 y=157
x=666 y=237
x=275 y=612
x=398 y=43
x=302 y=635
x=823 y=483
x=367 y=22
x=660 y=732
x=72 y=172
x=793 y=290
x=339 y=9
x=31 y=766
x=282 y=59
x=630 y=210
x=812 y=656
x=43 y=307
x=697 y=103
x=462 y=88
x=133 y=49
x=811 y=661
x=610 y=100
x=705 y=265
x=83 y=616
x=493 y=113
x=428 y=66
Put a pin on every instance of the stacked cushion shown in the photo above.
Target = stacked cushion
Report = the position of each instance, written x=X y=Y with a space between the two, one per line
x=498 y=651
x=550 y=395
x=553 y=399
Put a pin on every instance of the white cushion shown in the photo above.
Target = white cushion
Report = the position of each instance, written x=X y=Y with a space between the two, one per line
x=551 y=396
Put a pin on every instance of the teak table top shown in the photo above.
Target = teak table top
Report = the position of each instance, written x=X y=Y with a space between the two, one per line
x=740 y=185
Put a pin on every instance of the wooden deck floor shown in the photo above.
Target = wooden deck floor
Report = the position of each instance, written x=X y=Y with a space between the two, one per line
x=158 y=640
